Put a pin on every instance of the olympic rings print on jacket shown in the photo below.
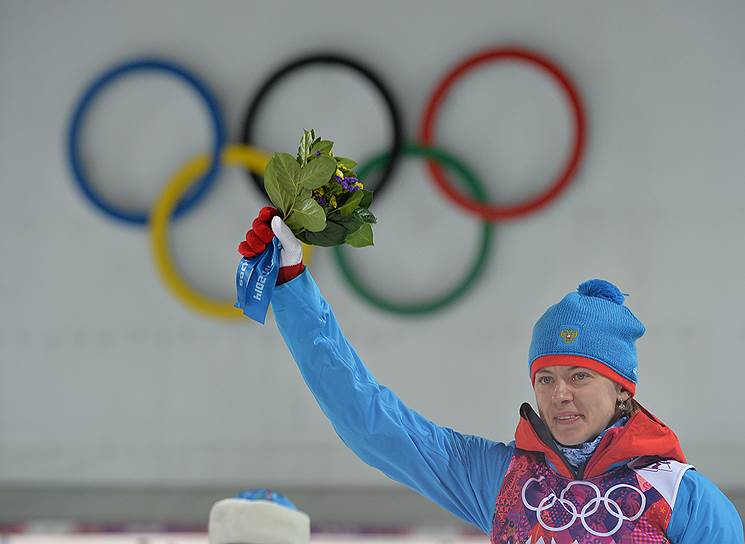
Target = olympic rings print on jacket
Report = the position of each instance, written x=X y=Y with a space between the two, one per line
x=196 y=177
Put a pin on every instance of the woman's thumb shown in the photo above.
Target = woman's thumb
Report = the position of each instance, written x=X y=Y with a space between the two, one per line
x=292 y=251
x=281 y=230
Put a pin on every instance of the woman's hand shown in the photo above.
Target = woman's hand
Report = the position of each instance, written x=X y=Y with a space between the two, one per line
x=263 y=229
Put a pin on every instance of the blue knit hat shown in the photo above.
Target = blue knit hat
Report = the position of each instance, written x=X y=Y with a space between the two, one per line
x=590 y=328
x=260 y=516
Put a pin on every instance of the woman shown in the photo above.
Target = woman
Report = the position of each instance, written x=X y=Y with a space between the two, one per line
x=593 y=467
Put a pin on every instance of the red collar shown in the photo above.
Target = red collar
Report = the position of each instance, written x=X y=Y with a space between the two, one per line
x=643 y=435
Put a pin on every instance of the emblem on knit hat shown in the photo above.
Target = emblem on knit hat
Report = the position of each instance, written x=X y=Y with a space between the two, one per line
x=569 y=335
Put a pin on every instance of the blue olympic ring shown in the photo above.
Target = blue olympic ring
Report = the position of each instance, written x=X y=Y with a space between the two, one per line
x=120 y=70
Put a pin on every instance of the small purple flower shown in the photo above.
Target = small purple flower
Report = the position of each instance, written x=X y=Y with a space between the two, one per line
x=318 y=153
x=322 y=201
x=346 y=183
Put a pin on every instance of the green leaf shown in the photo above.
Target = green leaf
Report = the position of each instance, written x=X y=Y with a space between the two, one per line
x=349 y=163
x=322 y=146
x=309 y=215
x=302 y=236
x=293 y=222
x=365 y=215
x=317 y=172
x=280 y=180
x=338 y=228
x=351 y=204
x=333 y=235
x=366 y=199
x=361 y=237
x=306 y=142
x=349 y=222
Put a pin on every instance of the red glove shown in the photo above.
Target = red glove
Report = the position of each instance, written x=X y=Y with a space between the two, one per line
x=259 y=236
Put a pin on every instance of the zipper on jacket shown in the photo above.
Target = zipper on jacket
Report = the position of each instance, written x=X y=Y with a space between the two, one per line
x=540 y=428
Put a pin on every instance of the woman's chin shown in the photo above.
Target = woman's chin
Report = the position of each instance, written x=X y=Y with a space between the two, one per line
x=570 y=438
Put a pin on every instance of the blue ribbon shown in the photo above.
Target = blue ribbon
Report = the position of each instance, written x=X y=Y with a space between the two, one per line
x=255 y=280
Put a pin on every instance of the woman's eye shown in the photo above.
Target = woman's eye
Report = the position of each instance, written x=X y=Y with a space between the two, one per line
x=580 y=376
x=545 y=380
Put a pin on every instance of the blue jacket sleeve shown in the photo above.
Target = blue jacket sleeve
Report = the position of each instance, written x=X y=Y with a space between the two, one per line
x=460 y=473
x=702 y=513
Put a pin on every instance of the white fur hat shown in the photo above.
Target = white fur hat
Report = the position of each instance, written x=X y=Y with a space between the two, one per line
x=241 y=521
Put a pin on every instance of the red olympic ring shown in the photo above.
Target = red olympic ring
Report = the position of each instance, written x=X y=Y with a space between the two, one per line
x=496 y=212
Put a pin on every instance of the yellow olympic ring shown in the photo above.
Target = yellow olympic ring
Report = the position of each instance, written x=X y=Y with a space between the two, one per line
x=178 y=184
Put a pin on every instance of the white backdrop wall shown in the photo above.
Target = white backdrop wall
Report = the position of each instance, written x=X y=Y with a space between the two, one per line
x=106 y=379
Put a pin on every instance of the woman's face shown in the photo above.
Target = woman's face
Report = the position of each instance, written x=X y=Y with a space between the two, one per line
x=576 y=403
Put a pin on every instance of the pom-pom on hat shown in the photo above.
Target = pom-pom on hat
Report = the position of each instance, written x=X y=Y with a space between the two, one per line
x=590 y=328
x=258 y=516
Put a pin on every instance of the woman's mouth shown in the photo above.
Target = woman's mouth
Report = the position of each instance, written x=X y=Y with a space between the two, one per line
x=567 y=419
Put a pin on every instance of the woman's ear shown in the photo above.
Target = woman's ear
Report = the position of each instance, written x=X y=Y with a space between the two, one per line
x=623 y=395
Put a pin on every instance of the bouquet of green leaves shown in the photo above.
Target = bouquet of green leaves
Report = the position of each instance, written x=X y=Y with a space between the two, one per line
x=319 y=195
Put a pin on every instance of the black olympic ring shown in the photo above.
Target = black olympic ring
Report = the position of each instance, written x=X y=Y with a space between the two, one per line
x=397 y=132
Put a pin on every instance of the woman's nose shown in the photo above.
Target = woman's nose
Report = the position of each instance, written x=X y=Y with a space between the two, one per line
x=562 y=392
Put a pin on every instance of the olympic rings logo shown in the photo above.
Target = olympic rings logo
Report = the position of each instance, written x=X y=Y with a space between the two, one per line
x=612 y=508
x=191 y=183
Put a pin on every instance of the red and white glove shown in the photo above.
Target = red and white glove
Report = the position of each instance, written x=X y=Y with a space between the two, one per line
x=264 y=228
